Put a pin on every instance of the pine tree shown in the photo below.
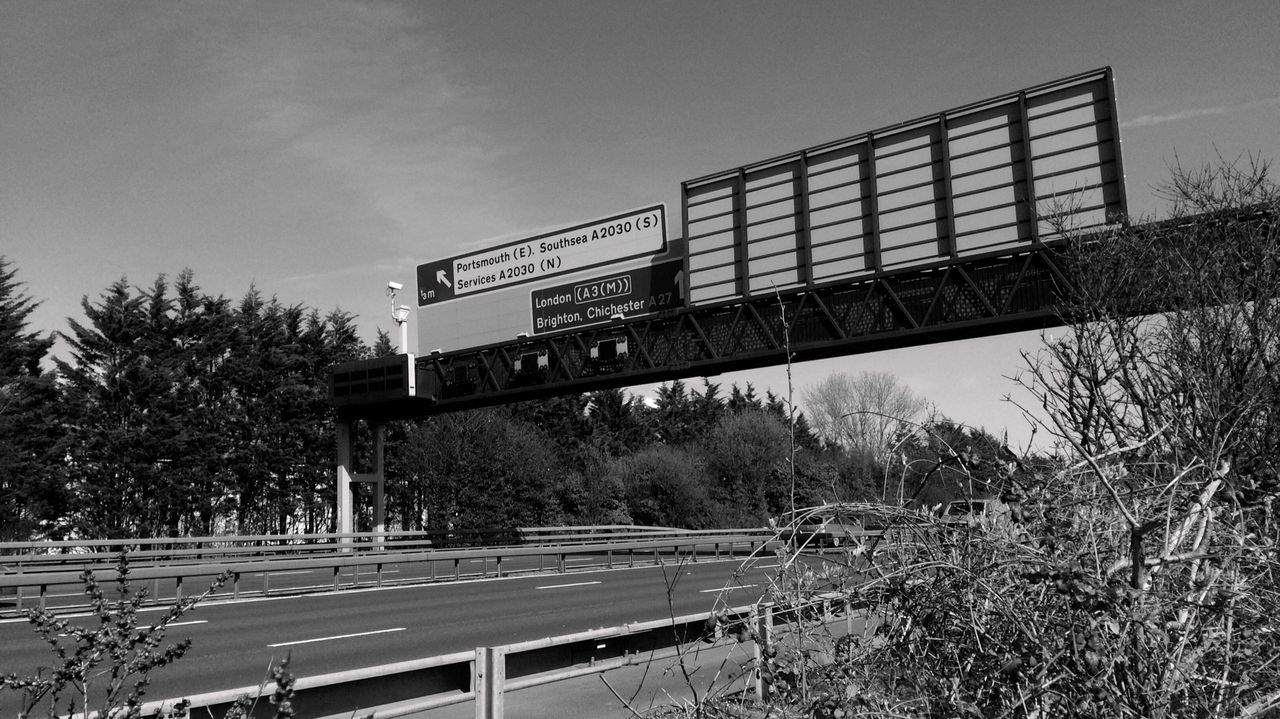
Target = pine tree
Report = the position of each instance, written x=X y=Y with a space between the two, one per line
x=107 y=386
x=31 y=491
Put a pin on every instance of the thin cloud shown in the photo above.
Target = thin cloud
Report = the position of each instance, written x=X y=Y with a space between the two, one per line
x=1149 y=120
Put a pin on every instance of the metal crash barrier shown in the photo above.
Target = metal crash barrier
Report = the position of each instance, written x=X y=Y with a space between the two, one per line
x=487 y=674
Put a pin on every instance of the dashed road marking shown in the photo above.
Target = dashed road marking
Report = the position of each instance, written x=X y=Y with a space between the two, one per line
x=728 y=589
x=337 y=636
x=562 y=586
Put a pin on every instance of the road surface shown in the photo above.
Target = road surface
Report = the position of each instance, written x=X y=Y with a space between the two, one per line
x=235 y=641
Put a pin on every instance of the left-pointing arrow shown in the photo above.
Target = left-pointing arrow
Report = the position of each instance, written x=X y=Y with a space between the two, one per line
x=443 y=279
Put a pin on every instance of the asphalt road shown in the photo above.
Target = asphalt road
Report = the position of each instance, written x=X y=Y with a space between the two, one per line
x=235 y=641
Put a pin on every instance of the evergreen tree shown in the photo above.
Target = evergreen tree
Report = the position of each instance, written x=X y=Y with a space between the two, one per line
x=616 y=422
x=705 y=408
x=742 y=401
x=32 y=498
x=671 y=419
x=109 y=388
x=180 y=409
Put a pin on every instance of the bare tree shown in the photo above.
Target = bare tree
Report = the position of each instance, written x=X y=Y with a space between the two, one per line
x=867 y=414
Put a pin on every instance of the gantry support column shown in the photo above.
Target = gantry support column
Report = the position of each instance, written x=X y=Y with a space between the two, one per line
x=345 y=517
x=345 y=477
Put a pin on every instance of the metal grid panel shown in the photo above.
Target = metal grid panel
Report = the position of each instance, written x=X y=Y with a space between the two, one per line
x=994 y=175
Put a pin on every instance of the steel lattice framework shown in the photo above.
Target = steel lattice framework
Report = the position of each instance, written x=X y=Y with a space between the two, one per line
x=952 y=300
x=958 y=299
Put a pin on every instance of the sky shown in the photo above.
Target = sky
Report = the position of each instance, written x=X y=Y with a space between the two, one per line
x=317 y=149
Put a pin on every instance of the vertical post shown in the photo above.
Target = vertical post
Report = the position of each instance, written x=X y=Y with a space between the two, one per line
x=763 y=618
x=379 y=483
x=871 y=204
x=804 y=238
x=488 y=681
x=343 y=521
x=1032 y=222
x=741 y=256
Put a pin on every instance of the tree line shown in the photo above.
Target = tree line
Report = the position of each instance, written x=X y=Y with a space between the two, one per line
x=177 y=412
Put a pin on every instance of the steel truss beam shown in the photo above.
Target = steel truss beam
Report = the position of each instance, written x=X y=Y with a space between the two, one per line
x=956 y=299
x=949 y=300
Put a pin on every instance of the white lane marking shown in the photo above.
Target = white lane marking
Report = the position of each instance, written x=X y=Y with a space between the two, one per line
x=313 y=571
x=339 y=636
x=728 y=589
x=174 y=624
x=562 y=586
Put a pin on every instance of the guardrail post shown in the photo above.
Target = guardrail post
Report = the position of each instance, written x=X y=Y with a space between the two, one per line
x=235 y=585
x=763 y=620
x=561 y=561
x=337 y=575
x=488 y=682
x=44 y=589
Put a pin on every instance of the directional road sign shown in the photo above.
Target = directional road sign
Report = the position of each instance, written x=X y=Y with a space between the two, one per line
x=626 y=294
x=613 y=239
